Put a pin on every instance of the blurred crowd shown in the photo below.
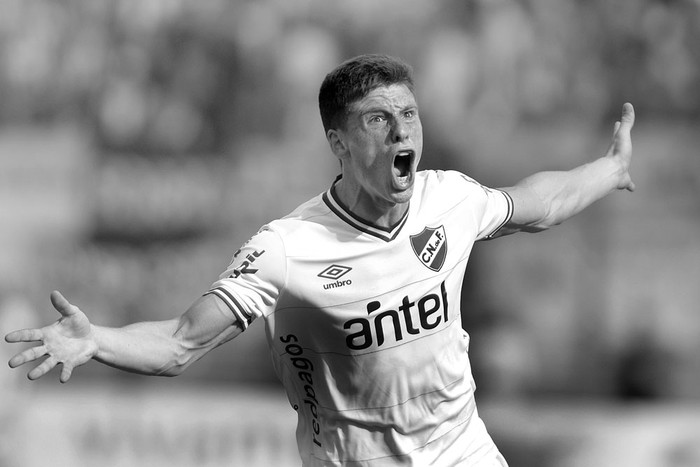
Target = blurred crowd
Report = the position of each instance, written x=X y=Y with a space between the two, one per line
x=143 y=141
x=171 y=77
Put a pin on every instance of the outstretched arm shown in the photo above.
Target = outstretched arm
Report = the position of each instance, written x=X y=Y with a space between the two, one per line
x=154 y=348
x=546 y=199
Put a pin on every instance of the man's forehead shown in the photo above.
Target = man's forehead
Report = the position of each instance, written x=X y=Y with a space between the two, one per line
x=392 y=96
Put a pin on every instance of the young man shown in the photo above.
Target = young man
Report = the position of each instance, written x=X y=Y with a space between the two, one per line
x=358 y=287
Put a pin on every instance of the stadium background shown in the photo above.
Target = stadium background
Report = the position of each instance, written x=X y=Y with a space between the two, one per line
x=141 y=142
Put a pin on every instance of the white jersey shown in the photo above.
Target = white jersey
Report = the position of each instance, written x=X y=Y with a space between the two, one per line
x=364 y=324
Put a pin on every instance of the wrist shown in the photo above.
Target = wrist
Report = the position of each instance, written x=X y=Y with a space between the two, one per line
x=615 y=171
x=96 y=334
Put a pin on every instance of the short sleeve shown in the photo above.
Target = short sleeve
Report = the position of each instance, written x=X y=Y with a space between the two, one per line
x=251 y=284
x=495 y=210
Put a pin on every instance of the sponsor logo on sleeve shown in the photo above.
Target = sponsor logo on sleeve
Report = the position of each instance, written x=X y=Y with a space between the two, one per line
x=247 y=266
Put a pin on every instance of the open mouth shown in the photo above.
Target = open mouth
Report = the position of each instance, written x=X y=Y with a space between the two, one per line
x=402 y=164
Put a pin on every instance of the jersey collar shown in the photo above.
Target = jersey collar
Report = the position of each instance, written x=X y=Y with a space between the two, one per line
x=331 y=199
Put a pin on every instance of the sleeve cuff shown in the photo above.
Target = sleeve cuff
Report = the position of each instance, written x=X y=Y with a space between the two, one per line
x=508 y=217
x=243 y=317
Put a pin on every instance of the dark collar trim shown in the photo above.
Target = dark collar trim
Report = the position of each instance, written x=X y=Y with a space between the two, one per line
x=335 y=205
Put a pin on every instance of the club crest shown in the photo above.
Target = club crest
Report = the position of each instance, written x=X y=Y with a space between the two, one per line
x=430 y=246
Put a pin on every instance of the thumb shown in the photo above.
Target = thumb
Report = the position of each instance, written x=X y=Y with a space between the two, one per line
x=62 y=305
x=627 y=118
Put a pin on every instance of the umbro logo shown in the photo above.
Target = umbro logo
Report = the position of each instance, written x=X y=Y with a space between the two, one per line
x=335 y=272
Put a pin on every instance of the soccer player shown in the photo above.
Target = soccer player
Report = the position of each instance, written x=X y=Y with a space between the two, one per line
x=358 y=287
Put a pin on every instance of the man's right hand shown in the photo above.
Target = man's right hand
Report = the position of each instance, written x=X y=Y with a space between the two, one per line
x=621 y=147
x=69 y=341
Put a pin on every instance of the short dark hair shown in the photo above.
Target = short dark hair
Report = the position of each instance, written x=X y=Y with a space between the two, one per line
x=354 y=79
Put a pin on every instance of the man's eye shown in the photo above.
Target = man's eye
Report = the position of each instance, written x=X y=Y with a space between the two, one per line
x=409 y=114
x=376 y=119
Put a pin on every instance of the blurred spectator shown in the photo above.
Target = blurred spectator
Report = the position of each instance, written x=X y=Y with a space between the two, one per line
x=644 y=369
x=504 y=359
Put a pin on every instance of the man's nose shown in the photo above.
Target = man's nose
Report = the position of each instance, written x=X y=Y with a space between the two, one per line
x=400 y=131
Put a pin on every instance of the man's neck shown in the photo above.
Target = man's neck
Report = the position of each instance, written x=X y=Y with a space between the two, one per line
x=379 y=214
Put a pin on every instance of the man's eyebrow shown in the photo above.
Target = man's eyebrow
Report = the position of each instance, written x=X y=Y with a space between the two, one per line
x=380 y=108
x=374 y=109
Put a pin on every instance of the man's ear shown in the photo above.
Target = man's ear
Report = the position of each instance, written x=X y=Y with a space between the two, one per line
x=336 y=142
